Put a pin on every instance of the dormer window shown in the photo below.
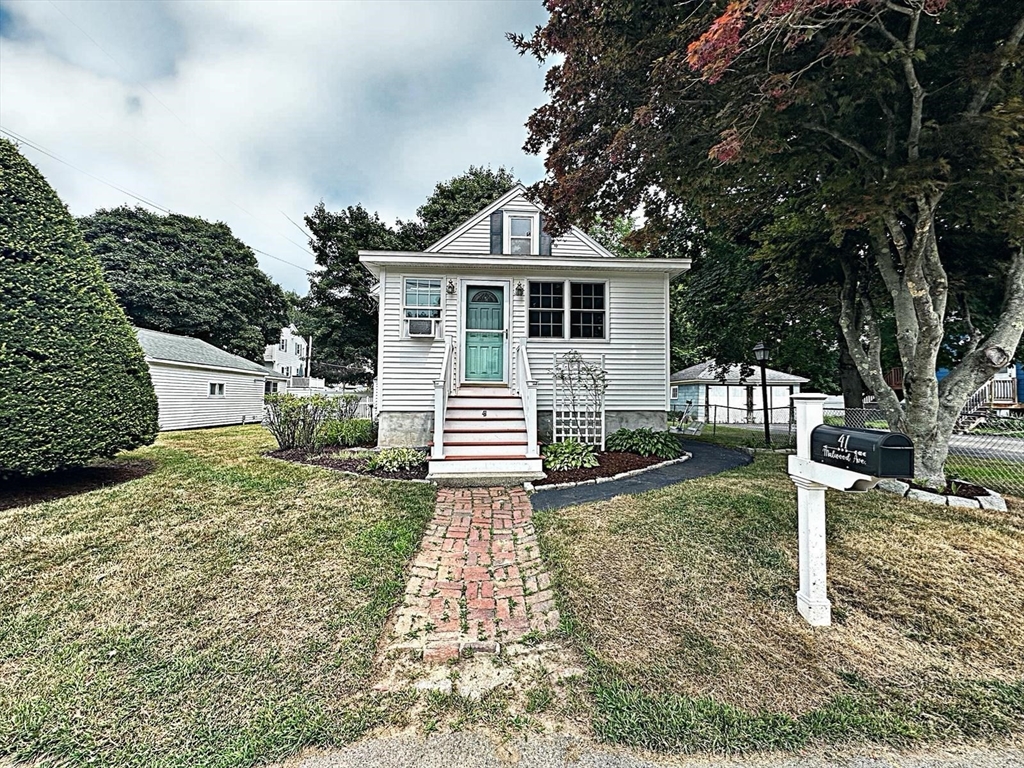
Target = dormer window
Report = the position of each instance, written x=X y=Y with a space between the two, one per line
x=519 y=233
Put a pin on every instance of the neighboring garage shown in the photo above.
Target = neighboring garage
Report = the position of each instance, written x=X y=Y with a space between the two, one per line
x=200 y=385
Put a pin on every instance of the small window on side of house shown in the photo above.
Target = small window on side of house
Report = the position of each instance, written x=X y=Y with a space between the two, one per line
x=216 y=389
x=270 y=388
x=673 y=393
x=283 y=345
x=422 y=298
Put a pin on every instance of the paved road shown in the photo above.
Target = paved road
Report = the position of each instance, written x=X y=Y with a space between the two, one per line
x=477 y=750
x=988 y=447
x=708 y=459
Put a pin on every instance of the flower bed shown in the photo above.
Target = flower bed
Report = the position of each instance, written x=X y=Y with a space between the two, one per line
x=347 y=460
x=610 y=463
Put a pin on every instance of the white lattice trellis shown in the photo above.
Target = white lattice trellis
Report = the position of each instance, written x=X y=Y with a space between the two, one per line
x=578 y=387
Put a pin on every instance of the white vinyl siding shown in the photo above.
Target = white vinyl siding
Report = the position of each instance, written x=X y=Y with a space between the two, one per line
x=635 y=344
x=477 y=239
x=184 y=400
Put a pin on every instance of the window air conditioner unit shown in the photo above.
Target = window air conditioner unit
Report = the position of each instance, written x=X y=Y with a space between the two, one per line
x=421 y=328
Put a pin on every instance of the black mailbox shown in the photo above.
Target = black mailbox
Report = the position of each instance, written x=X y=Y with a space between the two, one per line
x=868 y=451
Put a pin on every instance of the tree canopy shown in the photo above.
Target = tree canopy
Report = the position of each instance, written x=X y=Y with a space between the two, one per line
x=878 y=139
x=75 y=382
x=338 y=311
x=185 y=275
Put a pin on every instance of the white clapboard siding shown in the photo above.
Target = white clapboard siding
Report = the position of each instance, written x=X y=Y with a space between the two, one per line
x=636 y=350
x=184 y=402
x=477 y=239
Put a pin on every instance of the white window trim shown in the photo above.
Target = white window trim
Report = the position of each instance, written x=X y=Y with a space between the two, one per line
x=673 y=392
x=506 y=230
x=440 y=307
x=219 y=385
x=282 y=345
x=567 y=313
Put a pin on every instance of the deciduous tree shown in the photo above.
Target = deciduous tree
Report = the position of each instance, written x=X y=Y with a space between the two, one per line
x=897 y=121
x=186 y=275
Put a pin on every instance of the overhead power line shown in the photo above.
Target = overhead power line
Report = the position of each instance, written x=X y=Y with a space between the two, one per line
x=184 y=124
x=41 y=149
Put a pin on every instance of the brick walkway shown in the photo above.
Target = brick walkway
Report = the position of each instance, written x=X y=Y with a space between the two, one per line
x=477 y=581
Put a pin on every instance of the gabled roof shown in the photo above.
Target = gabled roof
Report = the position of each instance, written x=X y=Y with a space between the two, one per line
x=497 y=205
x=184 y=349
x=707 y=373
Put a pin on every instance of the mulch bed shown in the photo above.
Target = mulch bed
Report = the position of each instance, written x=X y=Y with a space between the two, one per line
x=956 y=488
x=21 y=492
x=329 y=458
x=610 y=463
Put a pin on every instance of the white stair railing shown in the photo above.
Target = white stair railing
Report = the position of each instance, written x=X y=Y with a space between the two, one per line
x=442 y=386
x=526 y=387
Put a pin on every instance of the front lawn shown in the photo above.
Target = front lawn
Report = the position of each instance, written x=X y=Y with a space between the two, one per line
x=682 y=601
x=221 y=610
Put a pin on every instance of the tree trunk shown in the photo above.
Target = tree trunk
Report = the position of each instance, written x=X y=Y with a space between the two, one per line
x=850 y=382
x=916 y=284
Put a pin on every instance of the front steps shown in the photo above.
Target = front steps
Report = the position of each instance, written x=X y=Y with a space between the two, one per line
x=485 y=440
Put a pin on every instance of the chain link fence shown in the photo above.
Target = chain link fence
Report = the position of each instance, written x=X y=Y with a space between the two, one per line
x=989 y=453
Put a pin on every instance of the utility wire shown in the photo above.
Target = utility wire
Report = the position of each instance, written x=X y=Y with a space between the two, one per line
x=39 y=148
x=176 y=117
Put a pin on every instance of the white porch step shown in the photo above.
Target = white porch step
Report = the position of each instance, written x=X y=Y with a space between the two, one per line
x=477 y=449
x=493 y=414
x=487 y=434
x=462 y=401
x=489 y=424
x=472 y=390
x=474 y=471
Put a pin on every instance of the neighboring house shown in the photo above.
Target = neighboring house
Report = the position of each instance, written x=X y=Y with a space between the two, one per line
x=470 y=327
x=733 y=398
x=200 y=385
x=289 y=358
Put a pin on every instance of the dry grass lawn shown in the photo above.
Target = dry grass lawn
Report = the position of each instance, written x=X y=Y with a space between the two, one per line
x=222 y=610
x=683 y=600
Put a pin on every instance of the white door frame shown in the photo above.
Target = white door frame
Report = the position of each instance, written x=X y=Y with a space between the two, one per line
x=506 y=286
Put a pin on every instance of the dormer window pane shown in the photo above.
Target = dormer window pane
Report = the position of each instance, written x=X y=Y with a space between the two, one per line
x=520 y=235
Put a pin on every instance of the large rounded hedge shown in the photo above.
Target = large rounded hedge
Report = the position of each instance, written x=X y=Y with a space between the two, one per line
x=74 y=384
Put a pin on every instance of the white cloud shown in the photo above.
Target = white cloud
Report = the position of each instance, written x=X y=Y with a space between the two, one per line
x=212 y=108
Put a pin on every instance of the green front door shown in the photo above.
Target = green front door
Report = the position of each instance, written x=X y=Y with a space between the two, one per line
x=485 y=334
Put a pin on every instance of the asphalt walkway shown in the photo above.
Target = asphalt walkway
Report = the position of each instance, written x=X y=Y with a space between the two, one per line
x=707 y=459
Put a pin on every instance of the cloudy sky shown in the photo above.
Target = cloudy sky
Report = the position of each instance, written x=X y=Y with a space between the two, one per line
x=247 y=112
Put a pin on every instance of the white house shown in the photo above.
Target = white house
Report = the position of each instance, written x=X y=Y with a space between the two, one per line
x=470 y=329
x=200 y=385
x=289 y=358
x=732 y=398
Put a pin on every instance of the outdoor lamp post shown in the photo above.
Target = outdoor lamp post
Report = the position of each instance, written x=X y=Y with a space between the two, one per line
x=762 y=355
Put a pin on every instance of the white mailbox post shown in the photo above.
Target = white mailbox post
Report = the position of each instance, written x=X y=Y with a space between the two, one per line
x=811 y=479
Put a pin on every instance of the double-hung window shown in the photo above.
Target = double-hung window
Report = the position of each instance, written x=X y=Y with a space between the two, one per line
x=520 y=235
x=422 y=298
x=577 y=307
x=283 y=346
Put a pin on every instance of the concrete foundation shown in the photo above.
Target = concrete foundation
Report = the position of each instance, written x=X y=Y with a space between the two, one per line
x=411 y=429
x=613 y=421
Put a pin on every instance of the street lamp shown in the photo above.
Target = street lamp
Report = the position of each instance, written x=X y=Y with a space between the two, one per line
x=762 y=354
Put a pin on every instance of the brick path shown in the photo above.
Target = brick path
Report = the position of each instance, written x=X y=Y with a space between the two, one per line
x=477 y=580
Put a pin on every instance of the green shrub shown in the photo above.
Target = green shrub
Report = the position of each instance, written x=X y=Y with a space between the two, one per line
x=75 y=382
x=295 y=421
x=645 y=442
x=346 y=406
x=568 y=454
x=395 y=459
x=346 y=433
